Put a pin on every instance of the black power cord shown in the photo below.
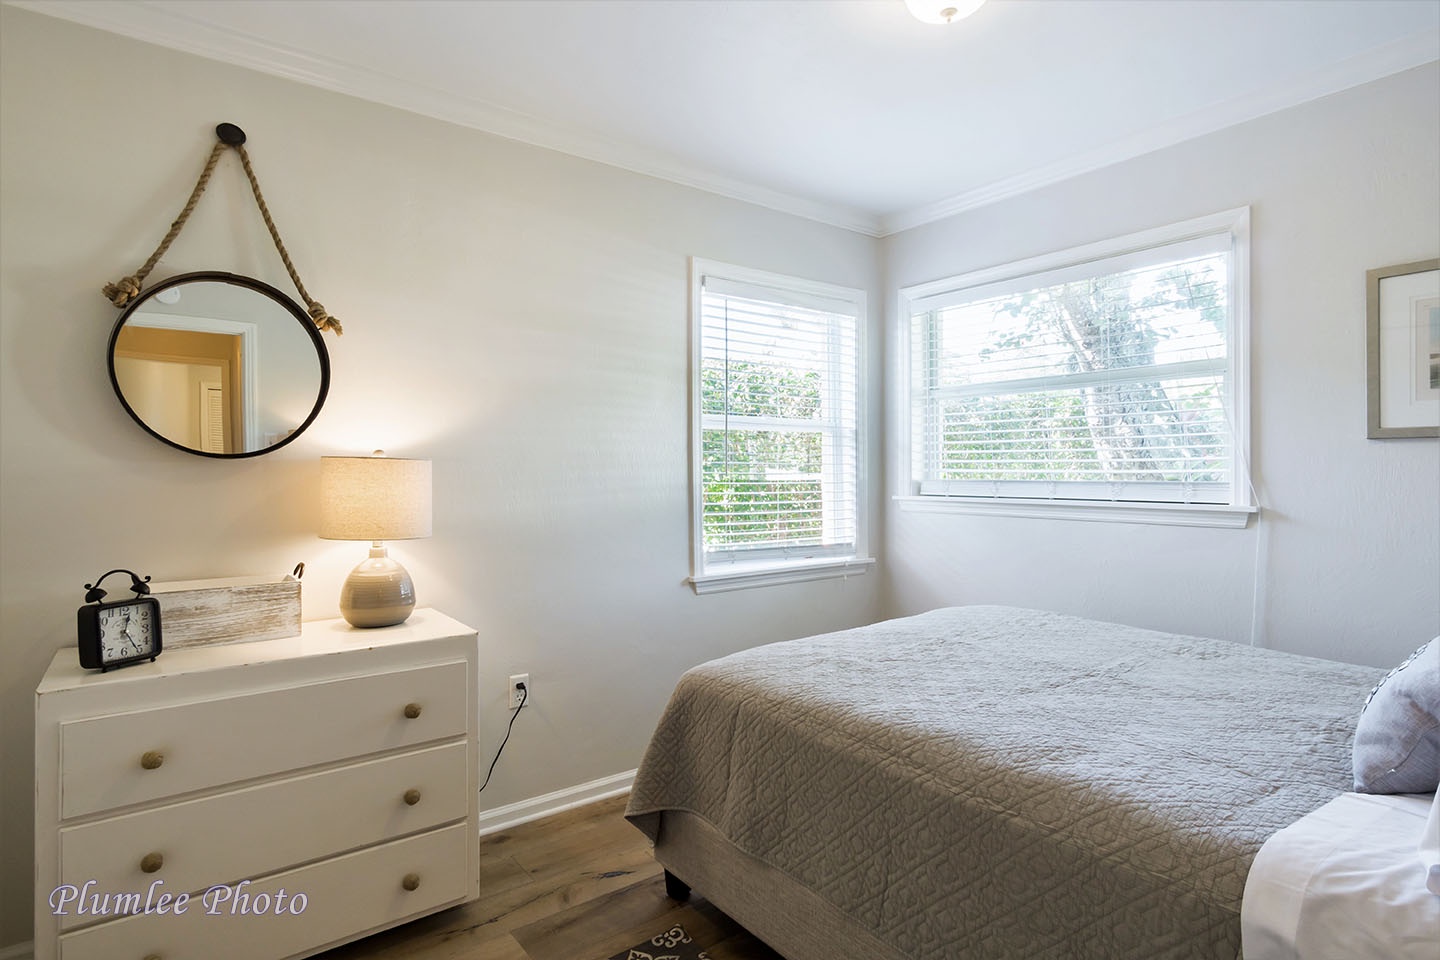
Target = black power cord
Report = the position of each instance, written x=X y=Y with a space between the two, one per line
x=524 y=694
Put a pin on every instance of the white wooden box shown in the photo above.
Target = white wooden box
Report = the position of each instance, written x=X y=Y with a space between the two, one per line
x=227 y=610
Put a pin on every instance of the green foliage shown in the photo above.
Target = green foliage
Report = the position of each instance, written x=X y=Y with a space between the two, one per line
x=761 y=486
x=1039 y=425
x=1135 y=430
x=747 y=388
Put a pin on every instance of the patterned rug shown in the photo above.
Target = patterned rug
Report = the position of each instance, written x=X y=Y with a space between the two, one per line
x=673 y=944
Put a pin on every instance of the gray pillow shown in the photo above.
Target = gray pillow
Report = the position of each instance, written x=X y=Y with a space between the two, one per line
x=1397 y=741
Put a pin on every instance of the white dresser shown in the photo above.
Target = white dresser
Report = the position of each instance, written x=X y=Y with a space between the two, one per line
x=319 y=787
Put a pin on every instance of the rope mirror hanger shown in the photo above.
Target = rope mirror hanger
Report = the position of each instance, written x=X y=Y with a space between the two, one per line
x=123 y=292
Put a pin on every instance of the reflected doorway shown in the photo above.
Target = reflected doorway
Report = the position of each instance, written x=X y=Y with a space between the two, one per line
x=188 y=385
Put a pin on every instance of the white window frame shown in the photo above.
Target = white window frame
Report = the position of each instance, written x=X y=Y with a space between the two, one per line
x=782 y=565
x=1241 y=506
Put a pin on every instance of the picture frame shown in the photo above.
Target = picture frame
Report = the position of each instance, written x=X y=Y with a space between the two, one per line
x=1402 y=326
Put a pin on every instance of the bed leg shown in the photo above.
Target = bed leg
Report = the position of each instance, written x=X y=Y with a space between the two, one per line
x=675 y=888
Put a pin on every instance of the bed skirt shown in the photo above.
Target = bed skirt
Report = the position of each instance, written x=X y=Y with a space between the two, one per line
x=796 y=922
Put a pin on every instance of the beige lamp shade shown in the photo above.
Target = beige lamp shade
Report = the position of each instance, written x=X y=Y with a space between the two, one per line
x=374 y=498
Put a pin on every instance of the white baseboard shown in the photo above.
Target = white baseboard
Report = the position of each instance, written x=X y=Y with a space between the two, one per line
x=18 y=951
x=523 y=811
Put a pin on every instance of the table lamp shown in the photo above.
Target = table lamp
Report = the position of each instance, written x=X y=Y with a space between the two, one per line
x=375 y=498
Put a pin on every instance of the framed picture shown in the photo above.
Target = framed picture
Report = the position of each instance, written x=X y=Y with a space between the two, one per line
x=1402 y=322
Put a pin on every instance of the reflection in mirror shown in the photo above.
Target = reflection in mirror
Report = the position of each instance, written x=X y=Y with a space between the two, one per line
x=219 y=365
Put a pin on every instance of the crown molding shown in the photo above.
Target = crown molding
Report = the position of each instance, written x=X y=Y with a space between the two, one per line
x=1383 y=61
x=169 y=28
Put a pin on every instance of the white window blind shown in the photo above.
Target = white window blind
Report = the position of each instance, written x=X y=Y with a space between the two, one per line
x=776 y=392
x=1109 y=379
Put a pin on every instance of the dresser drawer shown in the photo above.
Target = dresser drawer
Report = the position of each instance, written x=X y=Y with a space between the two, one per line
x=262 y=829
x=346 y=896
x=104 y=760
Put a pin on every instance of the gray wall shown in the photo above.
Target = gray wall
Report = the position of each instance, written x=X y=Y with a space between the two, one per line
x=517 y=315
x=1345 y=563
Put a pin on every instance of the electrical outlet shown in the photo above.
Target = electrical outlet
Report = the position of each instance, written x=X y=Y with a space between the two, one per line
x=514 y=695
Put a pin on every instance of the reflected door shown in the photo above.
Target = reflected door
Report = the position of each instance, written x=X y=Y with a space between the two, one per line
x=185 y=384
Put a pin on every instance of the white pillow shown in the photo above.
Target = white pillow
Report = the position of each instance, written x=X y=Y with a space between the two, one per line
x=1397 y=740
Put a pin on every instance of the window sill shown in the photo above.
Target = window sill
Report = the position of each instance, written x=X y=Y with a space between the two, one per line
x=771 y=574
x=1174 y=514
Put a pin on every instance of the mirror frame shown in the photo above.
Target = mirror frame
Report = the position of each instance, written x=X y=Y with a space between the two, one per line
x=249 y=283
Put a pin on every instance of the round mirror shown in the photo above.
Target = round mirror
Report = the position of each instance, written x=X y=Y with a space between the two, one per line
x=219 y=365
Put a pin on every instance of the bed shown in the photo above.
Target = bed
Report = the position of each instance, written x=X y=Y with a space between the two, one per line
x=991 y=782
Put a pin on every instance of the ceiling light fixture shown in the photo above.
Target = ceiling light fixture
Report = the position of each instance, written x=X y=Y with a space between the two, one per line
x=943 y=11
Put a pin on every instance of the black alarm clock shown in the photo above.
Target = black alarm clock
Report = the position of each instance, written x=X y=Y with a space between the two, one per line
x=119 y=633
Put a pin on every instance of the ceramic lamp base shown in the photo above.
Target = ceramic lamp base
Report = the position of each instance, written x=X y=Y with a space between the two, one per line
x=378 y=592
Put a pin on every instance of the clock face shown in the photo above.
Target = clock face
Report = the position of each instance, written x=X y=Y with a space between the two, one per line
x=127 y=630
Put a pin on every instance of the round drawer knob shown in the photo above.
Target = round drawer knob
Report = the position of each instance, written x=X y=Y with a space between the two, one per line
x=152 y=956
x=412 y=710
x=412 y=796
x=411 y=881
x=152 y=862
x=151 y=759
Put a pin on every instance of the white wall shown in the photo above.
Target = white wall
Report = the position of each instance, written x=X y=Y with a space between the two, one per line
x=519 y=316
x=1348 y=551
x=515 y=314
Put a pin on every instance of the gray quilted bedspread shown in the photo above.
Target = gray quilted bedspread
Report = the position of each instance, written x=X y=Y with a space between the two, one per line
x=1003 y=783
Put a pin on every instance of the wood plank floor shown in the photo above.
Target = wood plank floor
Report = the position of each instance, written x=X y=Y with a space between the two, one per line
x=581 y=885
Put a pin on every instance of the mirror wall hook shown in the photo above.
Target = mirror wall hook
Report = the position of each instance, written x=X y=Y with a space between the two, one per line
x=230 y=134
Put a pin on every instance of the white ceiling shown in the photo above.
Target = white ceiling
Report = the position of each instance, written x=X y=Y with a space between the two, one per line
x=847 y=111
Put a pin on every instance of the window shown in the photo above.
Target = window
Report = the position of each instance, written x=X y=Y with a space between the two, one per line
x=1107 y=381
x=775 y=436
